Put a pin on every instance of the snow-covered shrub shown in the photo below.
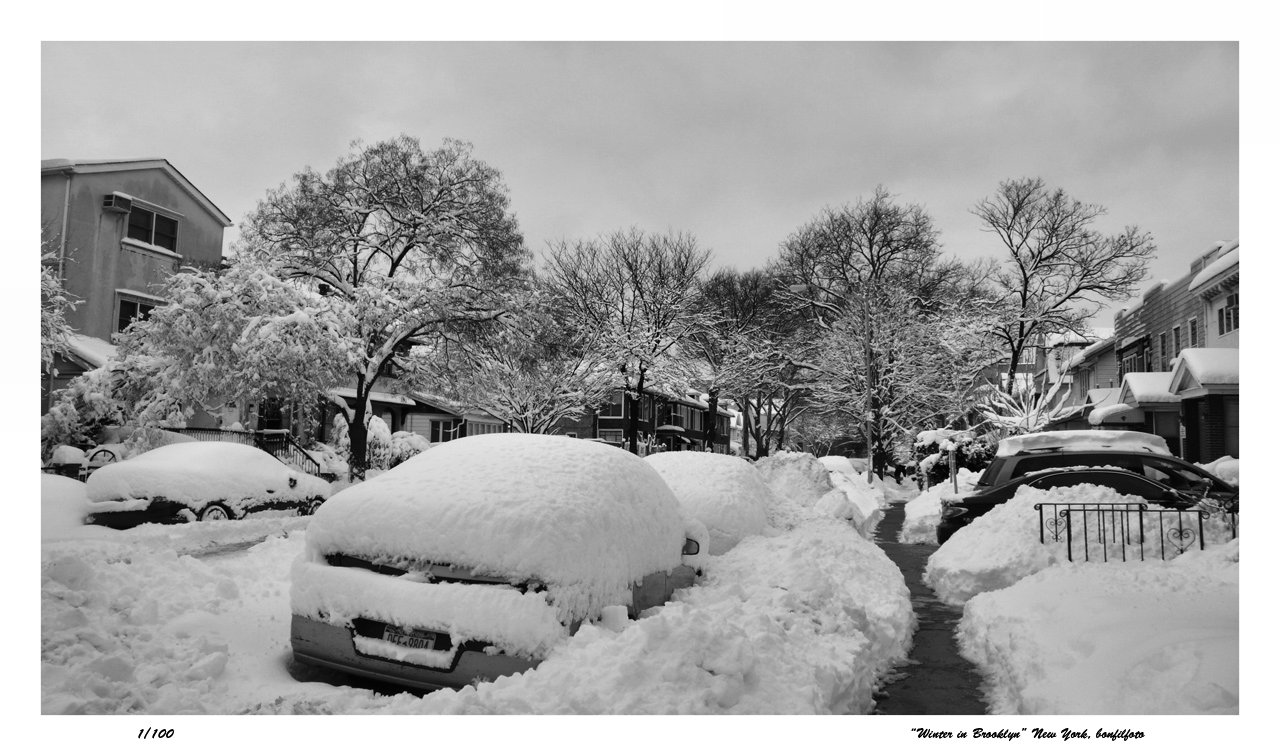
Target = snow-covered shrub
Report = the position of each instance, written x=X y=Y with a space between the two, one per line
x=405 y=444
x=377 y=444
x=81 y=411
x=973 y=452
x=806 y=488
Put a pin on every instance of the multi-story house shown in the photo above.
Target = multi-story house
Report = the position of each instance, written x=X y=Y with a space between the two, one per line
x=119 y=228
x=667 y=422
x=1091 y=379
x=1185 y=337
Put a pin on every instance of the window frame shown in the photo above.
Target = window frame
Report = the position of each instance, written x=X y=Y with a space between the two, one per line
x=150 y=239
x=135 y=299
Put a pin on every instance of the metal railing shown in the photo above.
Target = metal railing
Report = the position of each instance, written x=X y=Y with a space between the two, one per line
x=1141 y=531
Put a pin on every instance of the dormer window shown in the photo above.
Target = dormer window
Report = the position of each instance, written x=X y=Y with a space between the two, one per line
x=153 y=228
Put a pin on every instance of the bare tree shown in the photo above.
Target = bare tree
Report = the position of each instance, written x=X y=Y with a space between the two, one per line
x=839 y=267
x=636 y=291
x=1059 y=271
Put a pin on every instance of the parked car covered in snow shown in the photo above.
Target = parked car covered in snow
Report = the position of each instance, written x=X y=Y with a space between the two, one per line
x=474 y=558
x=1125 y=461
x=725 y=493
x=200 y=480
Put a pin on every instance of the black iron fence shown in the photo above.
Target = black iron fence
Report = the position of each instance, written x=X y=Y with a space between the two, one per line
x=1136 y=531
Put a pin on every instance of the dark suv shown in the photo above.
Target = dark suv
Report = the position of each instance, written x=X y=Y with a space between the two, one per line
x=1156 y=476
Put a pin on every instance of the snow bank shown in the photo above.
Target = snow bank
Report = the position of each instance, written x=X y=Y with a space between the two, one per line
x=924 y=511
x=1118 y=638
x=587 y=520
x=800 y=623
x=64 y=503
x=128 y=626
x=1003 y=546
x=725 y=493
x=806 y=487
x=202 y=471
x=1227 y=468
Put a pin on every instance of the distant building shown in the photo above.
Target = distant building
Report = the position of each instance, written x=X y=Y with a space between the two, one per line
x=1187 y=332
x=666 y=422
x=120 y=229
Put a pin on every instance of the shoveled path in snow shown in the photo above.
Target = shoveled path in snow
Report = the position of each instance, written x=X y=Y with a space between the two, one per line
x=936 y=679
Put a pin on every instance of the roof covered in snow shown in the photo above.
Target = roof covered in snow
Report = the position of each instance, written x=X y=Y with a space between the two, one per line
x=1090 y=351
x=1100 y=397
x=1147 y=388
x=1202 y=371
x=1116 y=413
x=92 y=350
x=1230 y=259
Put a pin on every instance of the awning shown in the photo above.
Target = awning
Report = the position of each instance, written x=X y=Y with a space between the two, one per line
x=670 y=429
x=1116 y=413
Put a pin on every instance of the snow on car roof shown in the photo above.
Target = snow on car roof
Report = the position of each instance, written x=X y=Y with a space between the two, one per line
x=725 y=493
x=1083 y=440
x=587 y=519
x=201 y=471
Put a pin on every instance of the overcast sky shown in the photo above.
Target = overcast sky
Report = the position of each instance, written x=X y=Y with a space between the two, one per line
x=737 y=143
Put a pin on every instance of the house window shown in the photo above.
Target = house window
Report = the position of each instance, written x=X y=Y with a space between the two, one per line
x=153 y=228
x=1229 y=314
x=1193 y=331
x=129 y=310
x=479 y=429
x=1163 y=357
x=613 y=407
x=445 y=430
x=1177 y=340
x=611 y=436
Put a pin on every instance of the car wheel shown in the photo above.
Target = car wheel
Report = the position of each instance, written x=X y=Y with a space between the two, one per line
x=216 y=512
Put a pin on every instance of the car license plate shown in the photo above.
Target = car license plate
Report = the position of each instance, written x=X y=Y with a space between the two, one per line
x=423 y=639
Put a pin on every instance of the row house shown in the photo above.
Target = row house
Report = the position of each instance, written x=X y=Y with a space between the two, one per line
x=1178 y=357
x=1090 y=378
x=119 y=229
x=667 y=422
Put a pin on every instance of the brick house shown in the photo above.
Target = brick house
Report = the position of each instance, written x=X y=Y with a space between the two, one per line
x=667 y=421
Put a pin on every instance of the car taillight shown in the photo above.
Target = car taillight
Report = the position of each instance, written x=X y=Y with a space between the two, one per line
x=954 y=512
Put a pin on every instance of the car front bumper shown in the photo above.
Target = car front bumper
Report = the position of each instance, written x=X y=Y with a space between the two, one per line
x=325 y=645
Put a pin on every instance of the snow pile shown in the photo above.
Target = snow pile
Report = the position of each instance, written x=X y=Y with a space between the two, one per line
x=203 y=471
x=127 y=628
x=800 y=623
x=1118 y=638
x=67 y=455
x=924 y=511
x=585 y=519
x=1083 y=440
x=724 y=493
x=868 y=499
x=806 y=488
x=64 y=504
x=1227 y=468
x=1003 y=546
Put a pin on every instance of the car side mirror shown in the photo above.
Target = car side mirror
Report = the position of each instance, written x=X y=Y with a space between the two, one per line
x=690 y=547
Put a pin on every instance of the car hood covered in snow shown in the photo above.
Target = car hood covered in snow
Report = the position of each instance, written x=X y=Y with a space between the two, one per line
x=588 y=520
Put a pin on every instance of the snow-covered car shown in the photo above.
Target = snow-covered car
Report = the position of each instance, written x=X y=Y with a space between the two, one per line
x=1167 y=482
x=200 y=480
x=473 y=559
x=725 y=493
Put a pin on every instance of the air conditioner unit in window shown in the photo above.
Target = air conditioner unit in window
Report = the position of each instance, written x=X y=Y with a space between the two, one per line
x=117 y=203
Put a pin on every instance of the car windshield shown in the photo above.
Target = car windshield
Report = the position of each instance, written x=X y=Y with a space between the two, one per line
x=1180 y=477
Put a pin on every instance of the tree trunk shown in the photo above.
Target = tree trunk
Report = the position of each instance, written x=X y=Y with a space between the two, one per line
x=633 y=418
x=710 y=417
x=358 y=435
x=1013 y=369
